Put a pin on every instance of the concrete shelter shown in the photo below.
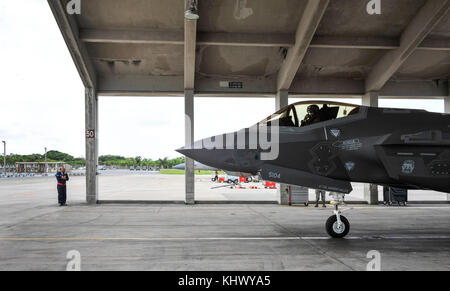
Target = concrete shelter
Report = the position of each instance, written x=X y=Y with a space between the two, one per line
x=254 y=48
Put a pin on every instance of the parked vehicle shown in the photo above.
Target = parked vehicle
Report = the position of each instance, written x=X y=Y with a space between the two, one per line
x=131 y=168
x=233 y=179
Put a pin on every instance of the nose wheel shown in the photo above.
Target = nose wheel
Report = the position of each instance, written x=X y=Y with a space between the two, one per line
x=337 y=229
x=337 y=225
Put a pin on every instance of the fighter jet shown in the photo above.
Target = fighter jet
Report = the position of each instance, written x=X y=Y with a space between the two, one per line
x=327 y=145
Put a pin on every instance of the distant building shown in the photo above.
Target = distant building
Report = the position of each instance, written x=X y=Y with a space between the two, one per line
x=40 y=167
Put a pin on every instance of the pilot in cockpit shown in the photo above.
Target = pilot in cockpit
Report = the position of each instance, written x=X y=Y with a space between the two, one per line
x=313 y=115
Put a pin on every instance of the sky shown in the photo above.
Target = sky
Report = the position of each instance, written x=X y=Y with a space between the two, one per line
x=42 y=99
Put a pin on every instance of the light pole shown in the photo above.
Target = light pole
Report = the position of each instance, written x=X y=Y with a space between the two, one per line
x=4 y=157
x=45 y=160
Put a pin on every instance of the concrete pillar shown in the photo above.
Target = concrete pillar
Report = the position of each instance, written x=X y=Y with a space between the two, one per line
x=91 y=112
x=370 y=190
x=370 y=99
x=447 y=104
x=282 y=100
x=447 y=110
x=189 y=139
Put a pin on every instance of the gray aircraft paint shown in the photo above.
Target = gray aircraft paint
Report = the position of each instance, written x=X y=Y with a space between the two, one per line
x=368 y=149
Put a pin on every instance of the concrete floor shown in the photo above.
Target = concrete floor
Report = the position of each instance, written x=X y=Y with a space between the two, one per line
x=36 y=235
x=127 y=185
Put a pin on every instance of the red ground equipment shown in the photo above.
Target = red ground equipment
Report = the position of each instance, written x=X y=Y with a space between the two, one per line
x=270 y=185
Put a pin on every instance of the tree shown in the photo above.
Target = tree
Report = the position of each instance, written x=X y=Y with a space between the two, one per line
x=138 y=160
x=109 y=158
x=58 y=156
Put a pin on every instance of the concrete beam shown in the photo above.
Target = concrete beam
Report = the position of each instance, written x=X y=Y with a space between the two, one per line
x=415 y=88
x=309 y=21
x=70 y=32
x=246 y=39
x=370 y=99
x=281 y=99
x=189 y=139
x=91 y=126
x=121 y=85
x=376 y=43
x=251 y=39
x=422 y=24
x=435 y=44
x=132 y=36
x=177 y=38
x=447 y=104
x=447 y=99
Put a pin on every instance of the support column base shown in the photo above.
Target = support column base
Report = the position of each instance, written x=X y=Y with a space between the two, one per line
x=189 y=200
x=91 y=199
x=189 y=197
x=283 y=194
x=371 y=194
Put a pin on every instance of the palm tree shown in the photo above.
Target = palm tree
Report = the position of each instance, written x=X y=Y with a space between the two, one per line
x=166 y=162
x=138 y=160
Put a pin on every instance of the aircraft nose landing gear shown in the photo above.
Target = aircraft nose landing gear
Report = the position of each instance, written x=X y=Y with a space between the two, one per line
x=337 y=225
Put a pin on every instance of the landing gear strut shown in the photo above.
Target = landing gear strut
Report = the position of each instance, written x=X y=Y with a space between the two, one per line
x=337 y=225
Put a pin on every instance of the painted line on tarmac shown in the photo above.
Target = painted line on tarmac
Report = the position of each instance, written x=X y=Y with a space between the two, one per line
x=220 y=238
x=147 y=239
x=380 y=237
x=23 y=195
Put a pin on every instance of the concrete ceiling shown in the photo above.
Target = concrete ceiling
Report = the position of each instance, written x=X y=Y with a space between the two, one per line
x=252 y=16
x=132 y=14
x=249 y=40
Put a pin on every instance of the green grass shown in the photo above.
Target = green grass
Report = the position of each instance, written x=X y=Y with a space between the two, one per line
x=181 y=172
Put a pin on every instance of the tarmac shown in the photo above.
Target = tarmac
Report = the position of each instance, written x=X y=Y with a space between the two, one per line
x=36 y=234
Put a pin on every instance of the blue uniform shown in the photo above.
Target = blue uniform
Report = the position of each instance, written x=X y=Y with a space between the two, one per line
x=62 y=191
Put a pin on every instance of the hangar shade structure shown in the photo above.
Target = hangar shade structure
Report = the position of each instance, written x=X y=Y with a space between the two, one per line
x=261 y=48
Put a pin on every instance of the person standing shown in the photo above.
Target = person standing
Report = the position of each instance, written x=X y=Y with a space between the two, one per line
x=62 y=177
x=320 y=194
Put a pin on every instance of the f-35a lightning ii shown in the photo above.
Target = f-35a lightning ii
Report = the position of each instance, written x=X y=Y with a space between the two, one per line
x=327 y=145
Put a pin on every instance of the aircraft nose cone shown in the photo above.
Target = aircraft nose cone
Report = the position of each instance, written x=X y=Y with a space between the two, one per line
x=181 y=150
x=189 y=152
x=210 y=157
x=229 y=160
x=200 y=155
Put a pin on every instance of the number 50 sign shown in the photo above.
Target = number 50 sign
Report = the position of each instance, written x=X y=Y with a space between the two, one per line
x=90 y=133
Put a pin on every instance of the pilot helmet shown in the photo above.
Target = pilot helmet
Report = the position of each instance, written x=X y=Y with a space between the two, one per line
x=313 y=109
